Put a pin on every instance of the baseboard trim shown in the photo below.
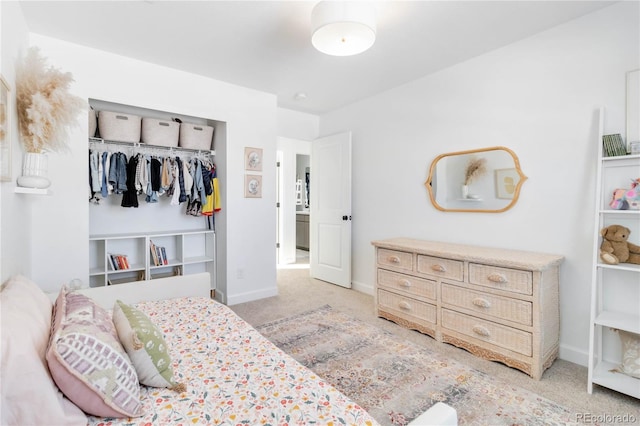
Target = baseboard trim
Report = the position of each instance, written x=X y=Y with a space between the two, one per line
x=363 y=288
x=574 y=355
x=250 y=296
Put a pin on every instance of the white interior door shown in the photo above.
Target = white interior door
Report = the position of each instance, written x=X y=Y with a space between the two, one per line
x=330 y=205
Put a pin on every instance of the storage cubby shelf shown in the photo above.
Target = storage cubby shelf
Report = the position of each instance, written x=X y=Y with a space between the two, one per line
x=187 y=251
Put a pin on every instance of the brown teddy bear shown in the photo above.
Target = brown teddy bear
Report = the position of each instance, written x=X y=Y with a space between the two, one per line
x=615 y=248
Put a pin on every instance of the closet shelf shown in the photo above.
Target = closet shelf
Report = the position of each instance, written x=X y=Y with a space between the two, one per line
x=143 y=146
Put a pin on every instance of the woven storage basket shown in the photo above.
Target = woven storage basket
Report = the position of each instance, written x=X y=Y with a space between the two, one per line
x=160 y=132
x=117 y=126
x=93 y=122
x=196 y=136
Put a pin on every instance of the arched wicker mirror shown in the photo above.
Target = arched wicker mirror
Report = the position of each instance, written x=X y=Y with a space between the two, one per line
x=481 y=180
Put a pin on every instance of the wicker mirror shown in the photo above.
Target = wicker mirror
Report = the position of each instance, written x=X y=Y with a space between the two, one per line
x=481 y=180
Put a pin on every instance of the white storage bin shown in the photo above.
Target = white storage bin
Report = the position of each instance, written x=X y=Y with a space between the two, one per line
x=196 y=136
x=160 y=132
x=116 y=126
x=93 y=122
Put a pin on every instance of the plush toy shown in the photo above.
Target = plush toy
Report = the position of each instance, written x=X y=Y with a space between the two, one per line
x=615 y=248
x=624 y=199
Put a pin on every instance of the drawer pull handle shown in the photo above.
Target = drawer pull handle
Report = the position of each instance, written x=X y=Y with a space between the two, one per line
x=438 y=268
x=405 y=283
x=394 y=259
x=404 y=305
x=481 y=303
x=497 y=278
x=481 y=331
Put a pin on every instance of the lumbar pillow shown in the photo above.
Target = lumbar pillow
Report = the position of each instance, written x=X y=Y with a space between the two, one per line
x=29 y=396
x=87 y=360
x=146 y=347
x=630 y=354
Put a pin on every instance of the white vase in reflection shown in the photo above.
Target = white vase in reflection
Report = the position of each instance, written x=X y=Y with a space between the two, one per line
x=34 y=171
x=465 y=191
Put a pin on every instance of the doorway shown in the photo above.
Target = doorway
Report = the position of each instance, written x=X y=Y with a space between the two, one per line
x=294 y=162
x=303 y=217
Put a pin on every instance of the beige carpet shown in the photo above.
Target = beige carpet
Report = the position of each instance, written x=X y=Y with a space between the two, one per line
x=564 y=383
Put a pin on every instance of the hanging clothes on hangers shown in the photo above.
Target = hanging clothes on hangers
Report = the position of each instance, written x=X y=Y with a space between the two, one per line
x=130 y=196
x=118 y=172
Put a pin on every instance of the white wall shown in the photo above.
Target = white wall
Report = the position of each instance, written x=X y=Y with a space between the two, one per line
x=246 y=235
x=298 y=125
x=538 y=97
x=15 y=209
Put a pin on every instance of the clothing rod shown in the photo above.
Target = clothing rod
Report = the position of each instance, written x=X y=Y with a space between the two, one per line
x=96 y=142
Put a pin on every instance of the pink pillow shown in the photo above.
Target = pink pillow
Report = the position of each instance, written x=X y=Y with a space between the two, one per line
x=88 y=362
x=29 y=396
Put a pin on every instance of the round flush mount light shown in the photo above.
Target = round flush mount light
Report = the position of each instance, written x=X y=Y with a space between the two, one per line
x=343 y=28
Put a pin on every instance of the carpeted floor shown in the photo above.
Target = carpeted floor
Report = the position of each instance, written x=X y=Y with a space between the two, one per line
x=396 y=380
x=564 y=383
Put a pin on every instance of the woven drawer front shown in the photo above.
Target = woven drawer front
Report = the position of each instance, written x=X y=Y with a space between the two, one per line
x=499 y=307
x=397 y=259
x=501 y=278
x=406 y=307
x=407 y=283
x=444 y=268
x=499 y=335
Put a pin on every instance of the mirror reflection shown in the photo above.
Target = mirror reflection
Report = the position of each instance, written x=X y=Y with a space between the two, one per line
x=481 y=180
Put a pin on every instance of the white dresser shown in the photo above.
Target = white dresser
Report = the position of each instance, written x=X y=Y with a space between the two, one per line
x=498 y=304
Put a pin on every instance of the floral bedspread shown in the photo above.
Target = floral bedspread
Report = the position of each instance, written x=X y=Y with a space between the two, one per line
x=234 y=375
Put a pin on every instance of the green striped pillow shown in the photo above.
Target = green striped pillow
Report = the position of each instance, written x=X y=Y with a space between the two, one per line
x=145 y=345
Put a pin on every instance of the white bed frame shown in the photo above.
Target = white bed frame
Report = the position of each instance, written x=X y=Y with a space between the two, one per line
x=193 y=285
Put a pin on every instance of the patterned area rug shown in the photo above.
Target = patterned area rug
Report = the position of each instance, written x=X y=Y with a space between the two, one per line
x=396 y=381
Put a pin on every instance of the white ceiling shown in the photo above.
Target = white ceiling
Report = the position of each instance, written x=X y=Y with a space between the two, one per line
x=265 y=45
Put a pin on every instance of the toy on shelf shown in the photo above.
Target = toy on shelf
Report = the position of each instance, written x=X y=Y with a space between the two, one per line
x=615 y=248
x=625 y=199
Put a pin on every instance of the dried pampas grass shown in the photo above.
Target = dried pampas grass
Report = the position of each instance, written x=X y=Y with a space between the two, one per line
x=46 y=109
x=475 y=168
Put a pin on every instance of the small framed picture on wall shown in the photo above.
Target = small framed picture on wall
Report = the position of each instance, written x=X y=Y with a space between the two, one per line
x=253 y=159
x=252 y=186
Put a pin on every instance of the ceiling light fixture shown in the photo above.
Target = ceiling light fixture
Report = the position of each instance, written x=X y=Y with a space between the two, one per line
x=343 y=28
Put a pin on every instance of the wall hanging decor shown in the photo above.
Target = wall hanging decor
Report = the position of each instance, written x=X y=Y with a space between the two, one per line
x=253 y=159
x=252 y=186
x=46 y=112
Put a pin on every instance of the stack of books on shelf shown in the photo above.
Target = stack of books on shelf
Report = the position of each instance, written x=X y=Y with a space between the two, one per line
x=613 y=145
x=158 y=254
x=118 y=262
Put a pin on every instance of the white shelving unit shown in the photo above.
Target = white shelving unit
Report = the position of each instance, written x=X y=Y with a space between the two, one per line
x=615 y=289
x=188 y=252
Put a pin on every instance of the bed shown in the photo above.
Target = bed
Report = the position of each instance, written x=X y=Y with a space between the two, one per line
x=228 y=373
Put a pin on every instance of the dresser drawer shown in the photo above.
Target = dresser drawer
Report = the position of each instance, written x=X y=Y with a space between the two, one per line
x=499 y=307
x=514 y=280
x=499 y=335
x=406 y=307
x=444 y=268
x=396 y=259
x=407 y=283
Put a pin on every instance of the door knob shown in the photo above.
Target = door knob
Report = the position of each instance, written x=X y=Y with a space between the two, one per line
x=345 y=217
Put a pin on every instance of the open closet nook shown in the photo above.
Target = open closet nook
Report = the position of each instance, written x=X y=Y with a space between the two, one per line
x=161 y=167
